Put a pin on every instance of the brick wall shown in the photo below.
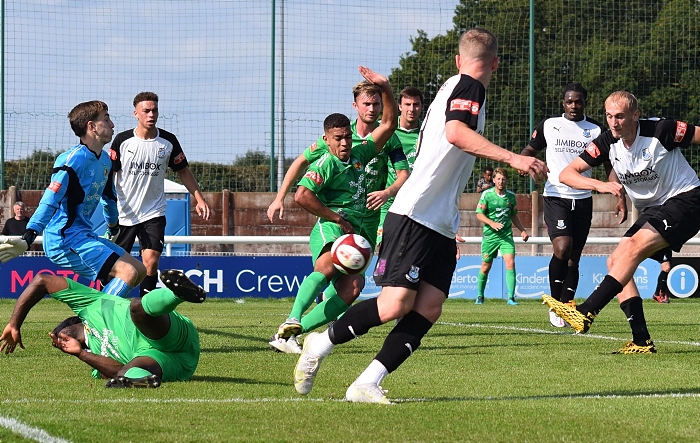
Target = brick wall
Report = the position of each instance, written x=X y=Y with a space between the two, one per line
x=245 y=214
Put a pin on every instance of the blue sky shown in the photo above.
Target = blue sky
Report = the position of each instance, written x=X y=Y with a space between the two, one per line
x=209 y=61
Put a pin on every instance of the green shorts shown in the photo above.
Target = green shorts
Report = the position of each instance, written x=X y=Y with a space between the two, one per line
x=325 y=232
x=491 y=245
x=178 y=352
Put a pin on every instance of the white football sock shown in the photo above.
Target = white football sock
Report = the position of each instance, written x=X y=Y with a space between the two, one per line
x=374 y=373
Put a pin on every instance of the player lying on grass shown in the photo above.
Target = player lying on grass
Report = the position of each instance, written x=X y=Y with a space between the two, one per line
x=133 y=343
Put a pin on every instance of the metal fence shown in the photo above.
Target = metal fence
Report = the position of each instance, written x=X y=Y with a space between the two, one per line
x=246 y=85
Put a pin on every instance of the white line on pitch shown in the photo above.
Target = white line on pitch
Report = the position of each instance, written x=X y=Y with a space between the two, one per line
x=29 y=432
x=336 y=400
x=565 y=332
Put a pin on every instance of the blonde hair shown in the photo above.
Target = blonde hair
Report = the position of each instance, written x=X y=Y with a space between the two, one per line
x=623 y=98
x=478 y=43
x=501 y=171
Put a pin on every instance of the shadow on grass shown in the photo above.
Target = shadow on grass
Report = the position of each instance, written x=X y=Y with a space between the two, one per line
x=695 y=392
x=247 y=381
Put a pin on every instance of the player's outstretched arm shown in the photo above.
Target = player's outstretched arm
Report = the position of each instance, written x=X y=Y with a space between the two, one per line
x=471 y=142
x=390 y=121
x=573 y=176
x=40 y=286
x=296 y=169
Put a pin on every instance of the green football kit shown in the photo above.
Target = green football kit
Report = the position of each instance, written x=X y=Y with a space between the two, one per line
x=499 y=208
x=110 y=331
x=367 y=174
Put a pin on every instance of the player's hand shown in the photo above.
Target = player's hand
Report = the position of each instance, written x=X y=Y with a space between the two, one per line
x=621 y=210
x=496 y=226
x=537 y=169
x=346 y=226
x=613 y=188
x=373 y=77
x=524 y=236
x=66 y=343
x=276 y=205
x=112 y=233
x=11 y=248
x=203 y=210
x=376 y=199
x=458 y=240
x=10 y=338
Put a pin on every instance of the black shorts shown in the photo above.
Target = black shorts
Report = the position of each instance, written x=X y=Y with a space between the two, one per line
x=151 y=234
x=567 y=217
x=411 y=253
x=677 y=220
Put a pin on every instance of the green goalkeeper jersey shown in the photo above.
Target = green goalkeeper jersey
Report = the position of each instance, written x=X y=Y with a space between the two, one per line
x=342 y=186
x=109 y=330
x=498 y=208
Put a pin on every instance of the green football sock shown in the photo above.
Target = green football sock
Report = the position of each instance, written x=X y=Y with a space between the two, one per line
x=328 y=310
x=160 y=301
x=330 y=291
x=481 y=280
x=308 y=290
x=136 y=373
x=510 y=282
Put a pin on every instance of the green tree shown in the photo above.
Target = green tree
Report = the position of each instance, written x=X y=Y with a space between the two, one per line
x=646 y=47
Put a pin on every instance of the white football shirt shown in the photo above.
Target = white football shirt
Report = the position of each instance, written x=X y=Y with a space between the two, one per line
x=564 y=141
x=431 y=194
x=653 y=169
x=139 y=167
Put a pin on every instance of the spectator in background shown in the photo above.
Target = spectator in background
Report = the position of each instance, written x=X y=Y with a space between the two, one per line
x=17 y=224
x=486 y=181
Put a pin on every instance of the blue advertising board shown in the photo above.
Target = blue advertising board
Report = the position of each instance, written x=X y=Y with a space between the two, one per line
x=279 y=277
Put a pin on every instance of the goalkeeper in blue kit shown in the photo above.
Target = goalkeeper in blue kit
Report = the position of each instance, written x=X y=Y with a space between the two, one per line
x=82 y=177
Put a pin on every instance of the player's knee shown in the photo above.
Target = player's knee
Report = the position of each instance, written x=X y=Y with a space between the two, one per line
x=136 y=309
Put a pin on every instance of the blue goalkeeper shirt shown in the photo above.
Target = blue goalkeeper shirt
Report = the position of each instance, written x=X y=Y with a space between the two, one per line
x=80 y=180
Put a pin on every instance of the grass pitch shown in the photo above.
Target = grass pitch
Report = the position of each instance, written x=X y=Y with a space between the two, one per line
x=491 y=373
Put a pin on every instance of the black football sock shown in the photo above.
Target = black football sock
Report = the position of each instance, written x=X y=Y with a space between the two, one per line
x=635 y=316
x=570 y=284
x=148 y=284
x=403 y=340
x=355 y=322
x=661 y=282
x=603 y=294
x=557 y=276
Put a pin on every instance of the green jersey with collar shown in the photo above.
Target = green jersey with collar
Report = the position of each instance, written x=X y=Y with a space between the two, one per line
x=498 y=208
x=377 y=169
x=342 y=186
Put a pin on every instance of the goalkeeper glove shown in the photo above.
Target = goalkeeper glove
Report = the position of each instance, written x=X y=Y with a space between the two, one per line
x=14 y=247
x=112 y=233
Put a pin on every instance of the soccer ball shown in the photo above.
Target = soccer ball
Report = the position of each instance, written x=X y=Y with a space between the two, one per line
x=351 y=254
